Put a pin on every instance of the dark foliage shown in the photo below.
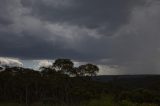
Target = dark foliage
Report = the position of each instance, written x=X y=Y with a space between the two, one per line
x=56 y=84
x=62 y=83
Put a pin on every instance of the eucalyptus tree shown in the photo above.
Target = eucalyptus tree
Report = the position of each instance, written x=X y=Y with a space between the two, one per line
x=47 y=71
x=88 y=70
x=63 y=65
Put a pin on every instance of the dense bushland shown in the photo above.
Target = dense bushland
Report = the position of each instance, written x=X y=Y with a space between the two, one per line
x=64 y=84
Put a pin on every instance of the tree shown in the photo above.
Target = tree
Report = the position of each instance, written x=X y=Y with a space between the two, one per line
x=88 y=70
x=77 y=72
x=47 y=71
x=63 y=65
x=74 y=72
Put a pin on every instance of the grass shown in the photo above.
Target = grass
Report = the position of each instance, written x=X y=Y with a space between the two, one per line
x=104 y=101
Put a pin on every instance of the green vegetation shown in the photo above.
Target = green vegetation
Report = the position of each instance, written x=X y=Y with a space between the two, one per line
x=105 y=101
x=62 y=84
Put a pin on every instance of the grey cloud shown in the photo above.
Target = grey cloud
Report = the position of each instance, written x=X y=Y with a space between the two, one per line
x=27 y=33
x=123 y=32
x=136 y=43
x=107 y=14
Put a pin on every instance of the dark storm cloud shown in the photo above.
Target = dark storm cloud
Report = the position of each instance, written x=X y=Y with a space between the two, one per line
x=27 y=24
x=136 y=45
x=29 y=47
x=115 y=32
x=93 y=14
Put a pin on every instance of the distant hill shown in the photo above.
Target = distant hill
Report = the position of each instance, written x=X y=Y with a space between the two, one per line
x=131 y=81
x=107 y=78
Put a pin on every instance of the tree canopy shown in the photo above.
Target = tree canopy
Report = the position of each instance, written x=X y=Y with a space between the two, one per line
x=66 y=66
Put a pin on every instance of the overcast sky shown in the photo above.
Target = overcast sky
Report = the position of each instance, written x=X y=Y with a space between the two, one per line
x=120 y=36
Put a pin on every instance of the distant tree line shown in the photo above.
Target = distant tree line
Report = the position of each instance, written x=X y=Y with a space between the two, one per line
x=66 y=66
